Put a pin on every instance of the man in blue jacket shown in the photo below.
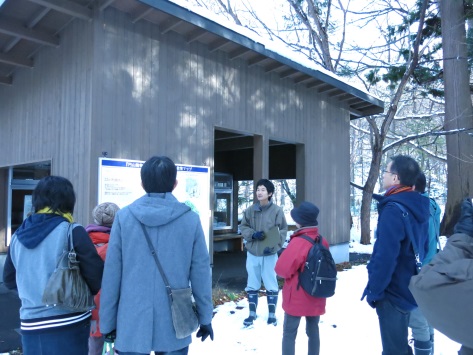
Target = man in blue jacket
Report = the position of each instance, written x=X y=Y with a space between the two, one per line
x=393 y=261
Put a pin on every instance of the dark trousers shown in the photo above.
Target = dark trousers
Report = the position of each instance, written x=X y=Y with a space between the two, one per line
x=182 y=351
x=393 y=325
x=71 y=340
x=291 y=323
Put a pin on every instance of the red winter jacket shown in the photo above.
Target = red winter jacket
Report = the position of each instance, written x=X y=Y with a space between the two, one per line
x=297 y=302
x=100 y=239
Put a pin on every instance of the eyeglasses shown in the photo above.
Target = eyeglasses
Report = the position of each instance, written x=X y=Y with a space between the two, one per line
x=388 y=172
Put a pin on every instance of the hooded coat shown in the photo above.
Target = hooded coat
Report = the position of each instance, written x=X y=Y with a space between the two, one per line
x=134 y=301
x=32 y=257
x=297 y=302
x=392 y=263
x=444 y=287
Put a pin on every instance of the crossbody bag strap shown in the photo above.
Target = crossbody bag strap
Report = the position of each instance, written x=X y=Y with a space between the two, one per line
x=410 y=234
x=160 y=268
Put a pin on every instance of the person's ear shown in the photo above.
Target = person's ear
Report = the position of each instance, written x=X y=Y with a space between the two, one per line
x=175 y=184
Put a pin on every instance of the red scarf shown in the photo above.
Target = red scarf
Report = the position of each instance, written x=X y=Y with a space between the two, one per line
x=397 y=189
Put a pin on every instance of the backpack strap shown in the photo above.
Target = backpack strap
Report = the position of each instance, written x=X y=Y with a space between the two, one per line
x=309 y=239
x=410 y=234
x=436 y=207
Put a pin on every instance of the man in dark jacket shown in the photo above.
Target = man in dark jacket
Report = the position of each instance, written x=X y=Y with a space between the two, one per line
x=393 y=261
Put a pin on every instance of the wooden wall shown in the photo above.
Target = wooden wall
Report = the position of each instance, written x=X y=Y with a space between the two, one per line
x=128 y=90
x=45 y=115
x=157 y=94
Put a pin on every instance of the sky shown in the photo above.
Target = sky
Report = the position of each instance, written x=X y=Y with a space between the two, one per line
x=350 y=326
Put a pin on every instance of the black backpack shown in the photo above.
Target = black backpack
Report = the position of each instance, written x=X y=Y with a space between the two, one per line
x=319 y=276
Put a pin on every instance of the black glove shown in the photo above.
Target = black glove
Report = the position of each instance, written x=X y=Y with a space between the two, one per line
x=204 y=331
x=258 y=235
x=110 y=337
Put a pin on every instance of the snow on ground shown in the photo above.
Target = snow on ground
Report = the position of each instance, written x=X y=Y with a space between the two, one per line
x=349 y=326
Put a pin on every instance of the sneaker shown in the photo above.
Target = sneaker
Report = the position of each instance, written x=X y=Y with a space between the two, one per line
x=272 y=321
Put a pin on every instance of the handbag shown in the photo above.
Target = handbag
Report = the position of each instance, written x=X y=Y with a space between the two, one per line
x=183 y=310
x=66 y=287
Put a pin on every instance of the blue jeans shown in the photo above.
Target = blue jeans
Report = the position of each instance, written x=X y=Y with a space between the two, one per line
x=71 y=340
x=421 y=330
x=182 y=351
x=393 y=325
x=291 y=323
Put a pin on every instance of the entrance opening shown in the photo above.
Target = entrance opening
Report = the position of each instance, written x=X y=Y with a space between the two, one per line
x=233 y=174
x=21 y=181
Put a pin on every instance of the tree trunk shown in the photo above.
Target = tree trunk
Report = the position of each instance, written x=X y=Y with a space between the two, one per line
x=458 y=111
x=367 y=196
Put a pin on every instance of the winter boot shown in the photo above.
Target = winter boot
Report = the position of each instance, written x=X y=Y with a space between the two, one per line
x=272 y=297
x=432 y=342
x=253 y=303
x=422 y=347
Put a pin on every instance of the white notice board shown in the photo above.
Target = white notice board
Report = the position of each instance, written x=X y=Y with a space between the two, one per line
x=120 y=183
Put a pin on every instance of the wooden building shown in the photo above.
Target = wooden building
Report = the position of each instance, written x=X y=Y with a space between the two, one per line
x=140 y=78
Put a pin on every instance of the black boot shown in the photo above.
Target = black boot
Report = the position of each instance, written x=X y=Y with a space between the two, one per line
x=253 y=303
x=272 y=297
x=422 y=347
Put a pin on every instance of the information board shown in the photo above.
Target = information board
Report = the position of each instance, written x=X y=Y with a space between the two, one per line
x=120 y=183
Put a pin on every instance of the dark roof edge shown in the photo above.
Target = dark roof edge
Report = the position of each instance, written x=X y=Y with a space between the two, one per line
x=211 y=26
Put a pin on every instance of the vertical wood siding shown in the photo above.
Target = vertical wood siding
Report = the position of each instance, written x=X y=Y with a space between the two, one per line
x=133 y=92
x=45 y=115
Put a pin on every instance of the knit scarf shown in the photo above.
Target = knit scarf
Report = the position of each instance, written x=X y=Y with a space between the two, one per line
x=397 y=189
x=67 y=216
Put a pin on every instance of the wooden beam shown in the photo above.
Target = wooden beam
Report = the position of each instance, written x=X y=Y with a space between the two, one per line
x=315 y=84
x=238 y=53
x=219 y=43
x=141 y=14
x=32 y=23
x=288 y=73
x=5 y=80
x=67 y=7
x=273 y=67
x=104 y=4
x=15 y=60
x=170 y=25
x=16 y=29
x=257 y=60
x=302 y=78
x=324 y=88
x=196 y=34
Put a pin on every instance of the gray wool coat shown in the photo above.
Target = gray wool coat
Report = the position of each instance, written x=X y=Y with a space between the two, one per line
x=134 y=301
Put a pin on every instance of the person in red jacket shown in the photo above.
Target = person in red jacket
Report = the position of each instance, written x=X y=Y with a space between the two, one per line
x=297 y=303
x=99 y=232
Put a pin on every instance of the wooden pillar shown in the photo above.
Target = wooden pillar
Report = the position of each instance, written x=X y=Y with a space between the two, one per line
x=260 y=158
x=300 y=174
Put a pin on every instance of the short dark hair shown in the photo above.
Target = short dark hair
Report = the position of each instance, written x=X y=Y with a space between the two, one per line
x=421 y=183
x=406 y=169
x=158 y=174
x=268 y=184
x=55 y=192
